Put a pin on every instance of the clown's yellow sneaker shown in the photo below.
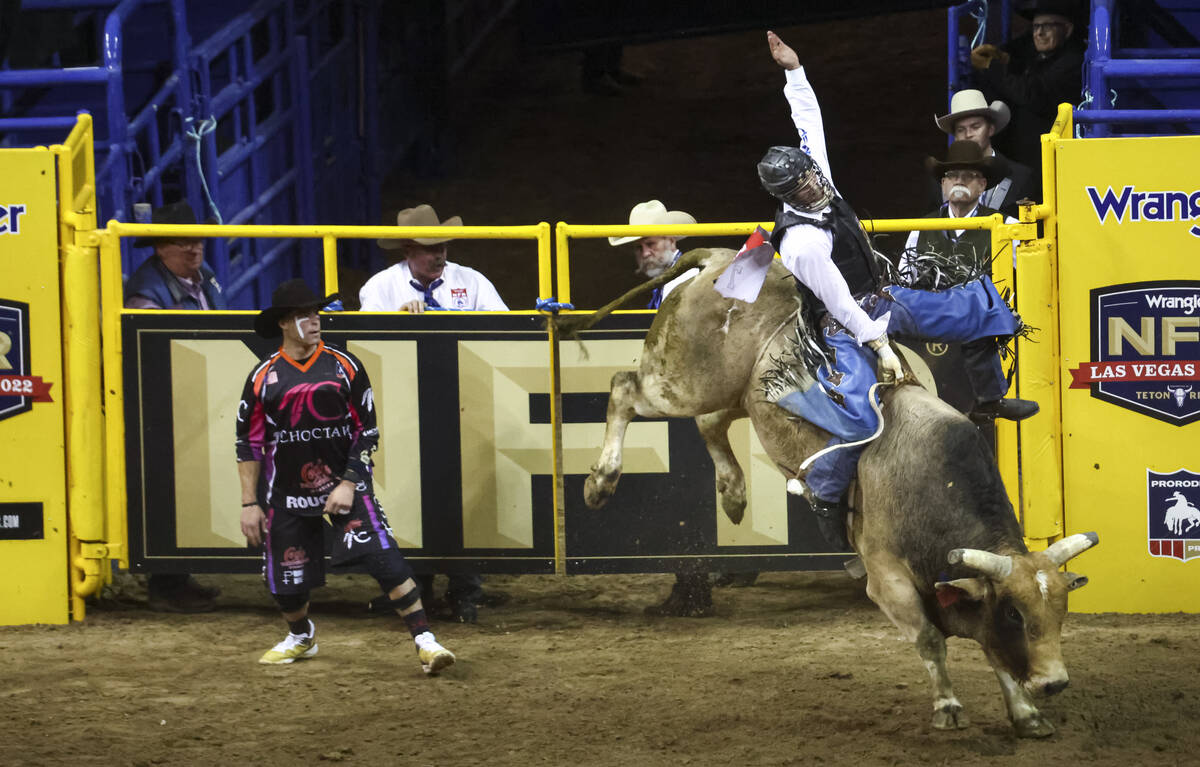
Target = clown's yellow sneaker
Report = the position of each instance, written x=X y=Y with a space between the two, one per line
x=433 y=656
x=293 y=648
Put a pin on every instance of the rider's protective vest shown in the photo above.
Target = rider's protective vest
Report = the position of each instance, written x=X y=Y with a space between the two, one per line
x=852 y=253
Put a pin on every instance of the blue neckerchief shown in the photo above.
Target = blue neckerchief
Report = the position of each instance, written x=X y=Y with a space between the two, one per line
x=430 y=301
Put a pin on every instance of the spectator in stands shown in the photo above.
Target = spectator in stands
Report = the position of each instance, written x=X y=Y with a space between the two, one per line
x=691 y=596
x=423 y=280
x=1033 y=74
x=175 y=277
x=965 y=175
x=971 y=118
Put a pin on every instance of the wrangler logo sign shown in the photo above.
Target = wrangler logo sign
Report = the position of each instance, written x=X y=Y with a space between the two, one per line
x=1146 y=349
x=1131 y=205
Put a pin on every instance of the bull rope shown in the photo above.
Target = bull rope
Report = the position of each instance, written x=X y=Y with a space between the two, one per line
x=878 y=430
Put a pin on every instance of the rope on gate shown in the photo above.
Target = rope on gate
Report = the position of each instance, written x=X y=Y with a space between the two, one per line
x=980 y=14
x=551 y=305
x=194 y=134
x=1087 y=99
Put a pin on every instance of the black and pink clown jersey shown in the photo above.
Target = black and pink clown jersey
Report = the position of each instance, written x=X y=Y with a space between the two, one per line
x=311 y=423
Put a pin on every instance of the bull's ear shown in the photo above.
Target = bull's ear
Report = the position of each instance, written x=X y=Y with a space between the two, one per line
x=949 y=592
x=1075 y=581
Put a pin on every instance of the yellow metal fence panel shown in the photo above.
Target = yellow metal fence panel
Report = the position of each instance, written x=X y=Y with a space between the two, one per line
x=33 y=519
x=1129 y=282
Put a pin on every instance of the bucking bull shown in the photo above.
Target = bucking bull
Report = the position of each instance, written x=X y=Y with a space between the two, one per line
x=931 y=522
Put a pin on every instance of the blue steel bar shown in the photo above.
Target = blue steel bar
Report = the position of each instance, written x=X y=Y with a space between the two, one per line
x=24 y=78
x=952 y=50
x=1157 y=53
x=35 y=123
x=1136 y=115
x=1151 y=68
x=1099 y=54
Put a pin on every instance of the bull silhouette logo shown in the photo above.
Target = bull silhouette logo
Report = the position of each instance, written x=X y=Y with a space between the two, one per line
x=1180 y=393
x=1173 y=518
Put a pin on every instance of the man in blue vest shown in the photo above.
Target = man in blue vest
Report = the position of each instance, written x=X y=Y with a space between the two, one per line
x=175 y=277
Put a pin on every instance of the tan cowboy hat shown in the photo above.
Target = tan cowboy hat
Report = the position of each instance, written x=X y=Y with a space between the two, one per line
x=652 y=213
x=971 y=102
x=422 y=215
x=967 y=155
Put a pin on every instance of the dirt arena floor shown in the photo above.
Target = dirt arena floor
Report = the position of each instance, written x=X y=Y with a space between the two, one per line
x=799 y=669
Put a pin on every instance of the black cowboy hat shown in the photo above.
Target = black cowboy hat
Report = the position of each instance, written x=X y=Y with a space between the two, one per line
x=291 y=296
x=967 y=155
x=174 y=213
x=1066 y=8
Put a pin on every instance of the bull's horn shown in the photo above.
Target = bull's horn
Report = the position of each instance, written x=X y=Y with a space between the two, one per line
x=1071 y=546
x=993 y=565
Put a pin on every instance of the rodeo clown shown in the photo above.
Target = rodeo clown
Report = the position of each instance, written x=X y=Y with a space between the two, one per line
x=822 y=243
x=307 y=413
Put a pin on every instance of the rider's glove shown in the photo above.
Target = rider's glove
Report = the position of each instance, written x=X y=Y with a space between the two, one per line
x=890 y=369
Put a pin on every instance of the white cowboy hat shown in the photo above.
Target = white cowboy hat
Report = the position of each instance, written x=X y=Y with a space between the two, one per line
x=652 y=213
x=971 y=102
x=422 y=215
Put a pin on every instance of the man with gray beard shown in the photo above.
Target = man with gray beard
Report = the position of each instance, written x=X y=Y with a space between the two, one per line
x=964 y=175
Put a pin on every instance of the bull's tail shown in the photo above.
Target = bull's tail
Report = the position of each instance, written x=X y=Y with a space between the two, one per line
x=572 y=324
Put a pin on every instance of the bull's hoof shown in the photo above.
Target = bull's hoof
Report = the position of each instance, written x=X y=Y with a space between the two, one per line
x=1035 y=726
x=950 y=718
x=597 y=492
x=734 y=507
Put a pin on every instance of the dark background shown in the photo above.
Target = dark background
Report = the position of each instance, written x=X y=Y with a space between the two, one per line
x=522 y=142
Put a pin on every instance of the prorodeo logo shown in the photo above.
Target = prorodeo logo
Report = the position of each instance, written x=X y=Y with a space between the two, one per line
x=1146 y=349
x=1173 y=516
x=1130 y=205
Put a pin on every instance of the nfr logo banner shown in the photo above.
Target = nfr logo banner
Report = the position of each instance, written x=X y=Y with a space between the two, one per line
x=18 y=389
x=1146 y=349
x=1173 y=514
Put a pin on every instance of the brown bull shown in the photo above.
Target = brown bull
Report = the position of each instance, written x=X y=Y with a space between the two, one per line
x=942 y=549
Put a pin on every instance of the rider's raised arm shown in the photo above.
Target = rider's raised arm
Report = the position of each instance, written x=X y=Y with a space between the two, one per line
x=806 y=115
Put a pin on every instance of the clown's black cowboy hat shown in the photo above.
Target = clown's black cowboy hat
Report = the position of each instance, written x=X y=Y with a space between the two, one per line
x=175 y=213
x=967 y=155
x=291 y=296
x=1068 y=9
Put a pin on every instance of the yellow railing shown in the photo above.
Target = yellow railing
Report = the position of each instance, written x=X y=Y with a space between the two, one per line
x=108 y=241
x=94 y=535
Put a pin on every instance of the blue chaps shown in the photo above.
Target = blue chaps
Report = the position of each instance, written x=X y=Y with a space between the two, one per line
x=964 y=314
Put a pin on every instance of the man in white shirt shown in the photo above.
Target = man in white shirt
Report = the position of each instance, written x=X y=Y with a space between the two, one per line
x=821 y=241
x=691 y=595
x=656 y=254
x=425 y=279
